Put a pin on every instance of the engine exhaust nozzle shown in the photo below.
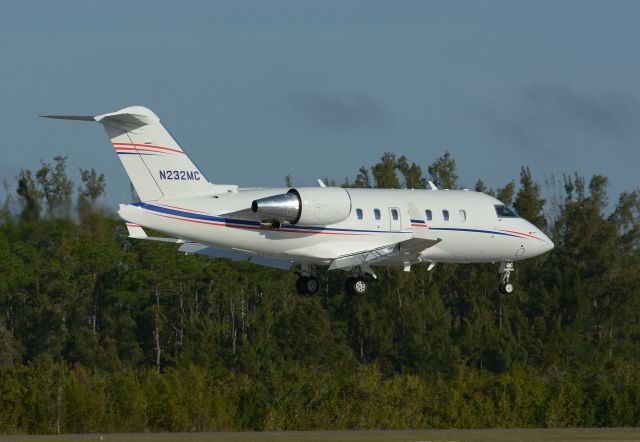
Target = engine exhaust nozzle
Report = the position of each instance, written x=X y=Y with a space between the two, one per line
x=285 y=207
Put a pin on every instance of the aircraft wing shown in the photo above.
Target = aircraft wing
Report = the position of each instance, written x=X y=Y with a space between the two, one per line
x=407 y=250
x=189 y=247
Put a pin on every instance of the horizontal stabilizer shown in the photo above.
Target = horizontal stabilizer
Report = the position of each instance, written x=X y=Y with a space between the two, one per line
x=71 y=117
x=124 y=120
x=137 y=232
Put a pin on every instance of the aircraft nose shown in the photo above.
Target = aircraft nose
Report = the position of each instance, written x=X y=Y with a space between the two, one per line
x=547 y=244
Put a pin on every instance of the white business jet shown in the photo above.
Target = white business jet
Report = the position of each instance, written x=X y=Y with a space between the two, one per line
x=306 y=227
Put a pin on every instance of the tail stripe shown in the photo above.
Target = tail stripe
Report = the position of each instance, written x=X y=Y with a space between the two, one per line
x=134 y=150
x=145 y=146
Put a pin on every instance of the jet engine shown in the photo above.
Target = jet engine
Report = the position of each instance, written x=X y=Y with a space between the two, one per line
x=311 y=206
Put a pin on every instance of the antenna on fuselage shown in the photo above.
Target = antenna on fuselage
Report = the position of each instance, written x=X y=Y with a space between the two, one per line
x=432 y=186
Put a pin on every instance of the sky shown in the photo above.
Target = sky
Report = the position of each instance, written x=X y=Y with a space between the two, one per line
x=257 y=90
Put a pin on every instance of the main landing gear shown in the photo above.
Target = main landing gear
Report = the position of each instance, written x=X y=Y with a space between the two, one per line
x=356 y=285
x=505 y=286
x=307 y=283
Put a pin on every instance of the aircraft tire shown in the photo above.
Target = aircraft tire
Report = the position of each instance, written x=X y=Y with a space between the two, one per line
x=359 y=286
x=307 y=285
x=311 y=285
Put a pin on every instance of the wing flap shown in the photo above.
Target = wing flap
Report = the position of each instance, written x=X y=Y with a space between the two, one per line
x=409 y=248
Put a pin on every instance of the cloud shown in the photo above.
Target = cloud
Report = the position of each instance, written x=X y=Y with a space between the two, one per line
x=347 y=111
x=544 y=111
x=554 y=105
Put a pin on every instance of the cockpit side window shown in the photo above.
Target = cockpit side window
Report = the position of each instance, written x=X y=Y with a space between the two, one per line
x=504 y=212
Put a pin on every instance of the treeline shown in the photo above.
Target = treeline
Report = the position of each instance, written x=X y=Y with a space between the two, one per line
x=101 y=333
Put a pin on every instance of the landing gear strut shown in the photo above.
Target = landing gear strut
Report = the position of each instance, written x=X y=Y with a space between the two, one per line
x=505 y=286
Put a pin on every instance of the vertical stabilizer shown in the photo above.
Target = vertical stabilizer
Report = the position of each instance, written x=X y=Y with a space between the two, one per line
x=154 y=161
x=156 y=164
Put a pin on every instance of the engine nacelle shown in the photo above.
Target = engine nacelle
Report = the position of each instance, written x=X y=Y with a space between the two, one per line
x=312 y=206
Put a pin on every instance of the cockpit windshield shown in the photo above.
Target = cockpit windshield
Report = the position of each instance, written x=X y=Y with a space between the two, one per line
x=504 y=212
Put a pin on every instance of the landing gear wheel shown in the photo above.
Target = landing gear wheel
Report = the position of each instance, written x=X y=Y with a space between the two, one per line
x=311 y=285
x=359 y=286
x=506 y=288
x=307 y=285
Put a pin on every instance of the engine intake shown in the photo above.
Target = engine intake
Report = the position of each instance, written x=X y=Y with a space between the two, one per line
x=314 y=206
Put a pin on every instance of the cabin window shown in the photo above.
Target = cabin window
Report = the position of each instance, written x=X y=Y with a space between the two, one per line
x=359 y=214
x=445 y=215
x=504 y=212
x=394 y=214
x=428 y=214
x=376 y=213
x=463 y=215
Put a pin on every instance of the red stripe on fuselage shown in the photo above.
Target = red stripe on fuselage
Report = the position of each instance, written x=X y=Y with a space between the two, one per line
x=520 y=233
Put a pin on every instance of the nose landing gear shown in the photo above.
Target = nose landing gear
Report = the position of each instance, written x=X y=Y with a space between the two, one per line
x=505 y=286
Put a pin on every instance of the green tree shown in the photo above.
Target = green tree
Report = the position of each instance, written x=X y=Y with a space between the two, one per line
x=443 y=172
x=528 y=202
x=56 y=186
x=384 y=172
x=412 y=174
x=30 y=196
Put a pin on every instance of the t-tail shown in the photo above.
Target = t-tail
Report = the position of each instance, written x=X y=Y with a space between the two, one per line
x=156 y=164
